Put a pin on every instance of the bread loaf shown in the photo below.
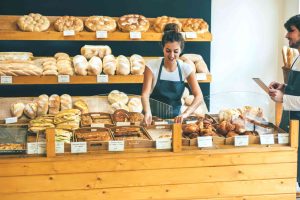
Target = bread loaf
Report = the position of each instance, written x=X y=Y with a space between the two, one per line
x=65 y=102
x=17 y=109
x=25 y=56
x=95 y=66
x=123 y=65
x=54 y=104
x=137 y=64
x=135 y=105
x=81 y=105
x=30 y=110
x=118 y=105
x=116 y=96
x=65 y=23
x=43 y=104
x=200 y=65
x=34 y=22
x=80 y=65
x=100 y=23
x=194 y=25
x=89 y=51
x=109 y=65
x=133 y=22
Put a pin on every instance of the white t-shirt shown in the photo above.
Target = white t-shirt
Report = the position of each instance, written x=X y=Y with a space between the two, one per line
x=154 y=65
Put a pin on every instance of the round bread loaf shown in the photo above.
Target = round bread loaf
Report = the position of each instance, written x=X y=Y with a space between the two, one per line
x=17 y=109
x=137 y=64
x=194 y=25
x=100 y=23
x=133 y=22
x=123 y=65
x=116 y=96
x=30 y=110
x=34 y=22
x=160 y=23
x=68 y=23
x=135 y=105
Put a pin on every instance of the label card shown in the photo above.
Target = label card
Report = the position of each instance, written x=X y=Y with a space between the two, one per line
x=101 y=34
x=102 y=78
x=283 y=138
x=69 y=33
x=63 y=78
x=161 y=123
x=201 y=76
x=266 y=139
x=41 y=147
x=190 y=35
x=205 y=141
x=241 y=140
x=122 y=123
x=59 y=147
x=135 y=35
x=6 y=79
x=160 y=127
x=11 y=120
x=191 y=122
x=78 y=147
x=116 y=145
x=163 y=143
x=97 y=125
x=32 y=148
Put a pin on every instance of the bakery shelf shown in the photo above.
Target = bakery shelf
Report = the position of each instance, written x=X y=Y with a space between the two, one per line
x=10 y=31
x=115 y=79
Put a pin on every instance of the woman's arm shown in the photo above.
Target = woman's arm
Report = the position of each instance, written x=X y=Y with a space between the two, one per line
x=148 y=78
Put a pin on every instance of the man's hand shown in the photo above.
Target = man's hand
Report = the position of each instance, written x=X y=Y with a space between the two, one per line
x=276 y=95
x=276 y=85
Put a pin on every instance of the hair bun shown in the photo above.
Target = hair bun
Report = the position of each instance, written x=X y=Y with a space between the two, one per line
x=172 y=27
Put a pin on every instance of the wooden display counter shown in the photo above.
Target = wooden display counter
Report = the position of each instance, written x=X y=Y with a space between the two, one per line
x=230 y=173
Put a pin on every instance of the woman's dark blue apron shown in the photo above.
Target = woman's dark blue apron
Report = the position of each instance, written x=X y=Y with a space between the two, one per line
x=167 y=92
x=292 y=88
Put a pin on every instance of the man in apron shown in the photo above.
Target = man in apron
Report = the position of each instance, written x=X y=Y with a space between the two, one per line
x=289 y=94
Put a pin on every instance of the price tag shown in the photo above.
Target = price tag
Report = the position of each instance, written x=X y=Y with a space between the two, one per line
x=160 y=127
x=205 y=141
x=63 y=78
x=101 y=34
x=123 y=124
x=266 y=139
x=78 y=147
x=190 y=35
x=163 y=143
x=6 y=79
x=69 y=33
x=283 y=138
x=116 y=145
x=11 y=120
x=41 y=147
x=183 y=34
x=32 y=148
x=97 y=125
x=135 y=35
x=161 y=123
x=201 y=76
x=59 y=147
x=191 y=122
x=103 y=78
x=241 y=140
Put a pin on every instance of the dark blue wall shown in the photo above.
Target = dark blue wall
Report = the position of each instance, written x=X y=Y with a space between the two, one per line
x=116 y=8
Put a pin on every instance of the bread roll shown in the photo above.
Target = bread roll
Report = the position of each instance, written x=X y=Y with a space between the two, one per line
x=95 y=66
x=123 y=65
x=109 y=65
x=137 y=64
x=43 y=103
x=54 y=104
x=135 y=105
x=89 y=51
x=116 y=96
x=189 y=62
x=65 y=102
x=30 y=110
x=17 y=109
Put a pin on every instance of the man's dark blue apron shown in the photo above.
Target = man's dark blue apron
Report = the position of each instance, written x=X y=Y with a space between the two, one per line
x=168 y=92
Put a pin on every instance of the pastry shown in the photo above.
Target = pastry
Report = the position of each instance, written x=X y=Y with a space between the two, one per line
x=68 y=23
x=89 y=51
x=160 y=23
x=17 y=109
x=30 y=110
x=54 y=104
x=100 y=23
x=34 y=22
x=133 y=22
x=123 y=65
x=194 y=25
x=137 y=64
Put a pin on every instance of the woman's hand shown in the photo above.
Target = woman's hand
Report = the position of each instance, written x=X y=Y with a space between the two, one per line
x=179 y=118
x=147 y=118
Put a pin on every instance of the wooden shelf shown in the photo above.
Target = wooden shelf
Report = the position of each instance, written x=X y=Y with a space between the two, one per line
x=115 y=79
x=10 y=31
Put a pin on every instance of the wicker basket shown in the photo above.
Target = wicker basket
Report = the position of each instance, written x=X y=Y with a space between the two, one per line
x=285 y=71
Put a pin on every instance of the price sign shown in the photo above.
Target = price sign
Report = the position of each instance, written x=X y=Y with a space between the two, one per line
x=103 y=78
x=241 y=140
x=123 y=124
x=59 y=147
x=78 y=147
x=163 y=143
x=201 y=76
x=116 y=145
x=161 y=123
x=41 y=147
x=135 y=35
x=205 y=141
x=32 y=148
x=101 y=34
x=63 y=78
x=283 y=138
x=191 y=122
x=190 y=35
x=6 y=79
x=266 y=139
x=11 y=120
x=97 y=125
x=69 y=33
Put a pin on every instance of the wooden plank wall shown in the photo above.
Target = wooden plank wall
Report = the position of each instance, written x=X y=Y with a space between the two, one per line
x=253 y=173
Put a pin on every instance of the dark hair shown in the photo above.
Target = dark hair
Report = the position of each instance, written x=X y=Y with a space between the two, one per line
x=293 y=21
x=172 y=34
